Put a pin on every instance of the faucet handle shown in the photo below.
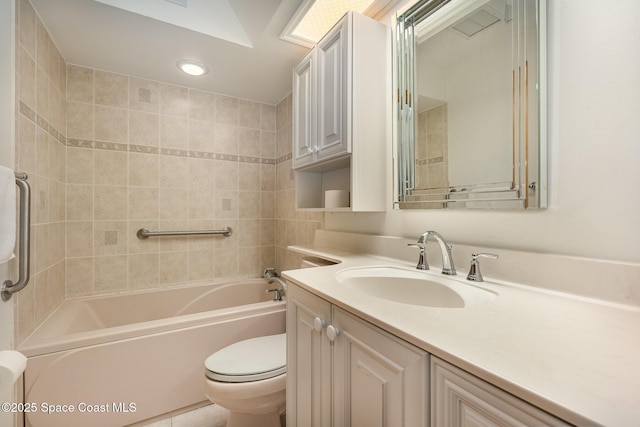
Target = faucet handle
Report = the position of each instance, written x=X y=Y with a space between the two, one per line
x=474 y=271
x=422 y=259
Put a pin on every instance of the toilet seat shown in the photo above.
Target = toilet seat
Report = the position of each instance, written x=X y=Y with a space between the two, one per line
x=254 y=359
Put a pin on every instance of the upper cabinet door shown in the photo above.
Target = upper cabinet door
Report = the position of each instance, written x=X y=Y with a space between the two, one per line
x=333 y=92
x=304 y=110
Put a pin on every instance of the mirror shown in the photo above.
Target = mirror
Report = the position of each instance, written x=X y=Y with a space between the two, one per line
x=470 y=105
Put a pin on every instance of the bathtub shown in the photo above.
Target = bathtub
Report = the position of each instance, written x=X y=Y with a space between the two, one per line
x=120 y=359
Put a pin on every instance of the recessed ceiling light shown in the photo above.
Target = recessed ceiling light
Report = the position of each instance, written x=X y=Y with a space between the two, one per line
x=191 y=67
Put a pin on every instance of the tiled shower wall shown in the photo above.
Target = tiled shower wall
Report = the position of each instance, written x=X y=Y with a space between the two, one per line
x=144 y=154
x=292 y=227
x=108 y=154
x=432 y=169
x=40 y=152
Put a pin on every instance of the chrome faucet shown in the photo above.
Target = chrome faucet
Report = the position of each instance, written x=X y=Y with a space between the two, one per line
x=447 y=260
x=272 y=276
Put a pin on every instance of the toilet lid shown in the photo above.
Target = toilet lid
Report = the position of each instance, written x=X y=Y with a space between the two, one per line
x=249 y=360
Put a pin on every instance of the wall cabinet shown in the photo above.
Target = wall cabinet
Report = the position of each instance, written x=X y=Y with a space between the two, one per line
x=343 y=371
x=340 y=116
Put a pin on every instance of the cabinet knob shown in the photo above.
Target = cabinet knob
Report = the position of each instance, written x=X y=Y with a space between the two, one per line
x=318 y=324
x=332 y=332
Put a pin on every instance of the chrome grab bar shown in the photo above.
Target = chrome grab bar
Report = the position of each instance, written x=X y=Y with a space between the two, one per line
x=8 y=287
x=143 y=233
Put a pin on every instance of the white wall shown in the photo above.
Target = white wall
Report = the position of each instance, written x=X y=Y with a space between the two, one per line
x=594 y=149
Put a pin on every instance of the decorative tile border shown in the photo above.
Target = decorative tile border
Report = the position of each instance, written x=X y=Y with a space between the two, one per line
x=422 y=162
x=26 y=111
x=116 y=146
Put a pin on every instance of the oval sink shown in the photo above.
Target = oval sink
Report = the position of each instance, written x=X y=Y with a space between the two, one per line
x=414 y=287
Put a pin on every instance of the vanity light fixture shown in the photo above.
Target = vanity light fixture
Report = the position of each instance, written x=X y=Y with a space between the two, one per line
x=191 y=67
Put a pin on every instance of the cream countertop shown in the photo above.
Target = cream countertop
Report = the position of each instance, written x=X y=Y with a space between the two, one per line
x=574 y=357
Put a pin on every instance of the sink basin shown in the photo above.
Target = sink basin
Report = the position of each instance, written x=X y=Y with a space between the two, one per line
x=414 y=287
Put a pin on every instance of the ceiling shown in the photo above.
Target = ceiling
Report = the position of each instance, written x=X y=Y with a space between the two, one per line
x=239 y=40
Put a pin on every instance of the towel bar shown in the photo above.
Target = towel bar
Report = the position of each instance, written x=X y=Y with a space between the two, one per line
x=8 y=287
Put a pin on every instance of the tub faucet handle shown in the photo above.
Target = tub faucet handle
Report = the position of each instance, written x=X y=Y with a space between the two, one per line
x=277 y=294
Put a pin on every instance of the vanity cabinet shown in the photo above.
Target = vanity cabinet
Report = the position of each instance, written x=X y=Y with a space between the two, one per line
x=343 y=371
x=340 y=116
x=461 y=399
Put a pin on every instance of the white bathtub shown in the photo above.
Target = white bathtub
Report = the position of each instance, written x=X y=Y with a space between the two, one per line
x=117 y=360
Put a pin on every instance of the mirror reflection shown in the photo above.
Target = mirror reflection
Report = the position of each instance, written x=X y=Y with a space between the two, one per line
x=468 y=121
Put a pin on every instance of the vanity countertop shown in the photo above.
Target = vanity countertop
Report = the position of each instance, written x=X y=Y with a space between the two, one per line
x=574 y=357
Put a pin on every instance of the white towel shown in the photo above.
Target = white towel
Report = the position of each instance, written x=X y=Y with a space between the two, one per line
x=7 y=214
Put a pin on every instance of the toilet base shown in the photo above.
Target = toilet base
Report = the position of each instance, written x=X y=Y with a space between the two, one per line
x=238 y=419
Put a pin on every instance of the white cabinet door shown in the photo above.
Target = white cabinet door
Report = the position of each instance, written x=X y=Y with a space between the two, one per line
x=333 y=91
x=308 y=360
x=459 y=399
x=304 y=111
x=379 y=380
x=361 y=377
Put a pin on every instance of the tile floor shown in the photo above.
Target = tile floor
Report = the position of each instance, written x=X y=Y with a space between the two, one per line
x=207 y=416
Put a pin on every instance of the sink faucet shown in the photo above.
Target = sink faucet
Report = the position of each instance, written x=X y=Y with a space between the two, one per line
x=447 y=260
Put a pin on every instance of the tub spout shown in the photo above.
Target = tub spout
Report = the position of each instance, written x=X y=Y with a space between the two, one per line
x=272 y=276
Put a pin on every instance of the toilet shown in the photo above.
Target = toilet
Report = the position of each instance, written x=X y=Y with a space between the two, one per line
x=248 y=378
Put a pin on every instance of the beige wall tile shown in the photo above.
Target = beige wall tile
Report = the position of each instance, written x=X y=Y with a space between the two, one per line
x=226 y=175
x=174 y=172
x=26 y=78
x=80 y=119
x=111 y=124
x=79 y=239
x=201 y=135
x=249 y=177
x=173 y=204
x=144 y=95
x=174 y=132
x=267 y=144
x=80 y=82
x=26 y=147
x=268 y=117
x=249 y=204
x=110 y=167
x=79 y=202
x=202 y=105
x=144 y=170
x=201 y=173
x=226 y=139
x=201 y=203
x=110 y=274
x=226 y=204
x=226 y=110
x=144 y=129
x=143 y=271
x=174 y=268
x=250 y=262
x=110 y=238
x=136 y=245
x=27 y=26
x=174 y=100
x=201 y=266
x=79 y=276
x=143 y=203
x=249 y=233
x=226 y=262
x=110 y=203
x=248 y=114
x=249 y=142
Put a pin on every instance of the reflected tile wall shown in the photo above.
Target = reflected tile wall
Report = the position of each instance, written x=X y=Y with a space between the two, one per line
x=40 y=152
x=432 y=169
x=292 y=227
x=145 y=154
